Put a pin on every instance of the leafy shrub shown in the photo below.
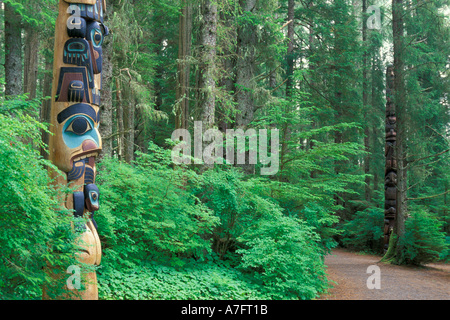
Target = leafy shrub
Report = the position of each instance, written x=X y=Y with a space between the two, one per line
x=146 y=211
x=34 y=231
x=424 y=242
x=284 y=255
x=365 y=231
x=233 y=202
x=151 y=212
x=323 y=221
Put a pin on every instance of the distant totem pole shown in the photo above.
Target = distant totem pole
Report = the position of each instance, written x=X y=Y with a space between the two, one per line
x=76 y=142
x=390 y=186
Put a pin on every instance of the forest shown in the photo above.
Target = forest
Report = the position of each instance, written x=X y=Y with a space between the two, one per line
x=310 y=78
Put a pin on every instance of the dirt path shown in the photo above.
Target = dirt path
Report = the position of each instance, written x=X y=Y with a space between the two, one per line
x=349 y=270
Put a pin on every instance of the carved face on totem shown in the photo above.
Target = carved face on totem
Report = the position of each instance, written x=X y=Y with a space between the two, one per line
x=91 y=196
x=77 y=138
x=391 y=179
x=95 y=34
x=80 y=138
x=75 y=142
x=390 y=127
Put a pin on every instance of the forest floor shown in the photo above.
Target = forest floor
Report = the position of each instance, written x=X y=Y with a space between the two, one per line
x=349 y=271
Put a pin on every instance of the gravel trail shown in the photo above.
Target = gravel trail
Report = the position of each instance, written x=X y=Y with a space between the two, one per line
x=349 y=271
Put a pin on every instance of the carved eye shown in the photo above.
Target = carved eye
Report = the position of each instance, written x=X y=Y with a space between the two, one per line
x=76 y=47
x=94 y=196
x=79 y=126
x=97 y=37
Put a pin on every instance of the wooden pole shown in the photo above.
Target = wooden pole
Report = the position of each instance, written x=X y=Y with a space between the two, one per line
x=76 y=141
x=390 y=202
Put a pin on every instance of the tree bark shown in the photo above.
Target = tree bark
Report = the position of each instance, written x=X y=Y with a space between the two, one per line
x=129 y=125
x=13 y=51
x=365 y=96
x=245 y=68
x=31 y=61
x=290 y=50
x=286 y=132
x=311 y=67
x=401 y=114
x=207 y=68
x=106 y=106
x=159 y=90
x=377 y=148
x=227 y=80
x=46 y=104
x=120 y=122
x=184 y=51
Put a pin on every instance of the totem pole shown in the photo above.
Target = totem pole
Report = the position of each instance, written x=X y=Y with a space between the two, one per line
x=75 y=118
x=390 y=186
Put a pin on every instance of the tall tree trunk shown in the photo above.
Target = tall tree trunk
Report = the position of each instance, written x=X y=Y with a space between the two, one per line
x=396 y=135
x=184 y=51
x=375 y=133
x=129 y=123
x=311 y=67
x=106 y=107
x=207 y=68
x=245 y=67
x=227 y=81
x=365 y=96
x=290 y=50
x=159 y=90
x=401 y=114
x=286 y=132
x=13 y=49
x=120 y=122
x=46 y=104
x=31 y=61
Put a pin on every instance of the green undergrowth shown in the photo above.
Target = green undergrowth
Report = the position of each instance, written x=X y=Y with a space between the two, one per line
x=178 y=234
x=194 y=281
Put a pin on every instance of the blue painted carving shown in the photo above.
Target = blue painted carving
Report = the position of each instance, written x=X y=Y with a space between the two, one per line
x=80 y=123
x=80 y=120
x=77 y=52
x=95 y=34
x=78 y=129
x=91 y=196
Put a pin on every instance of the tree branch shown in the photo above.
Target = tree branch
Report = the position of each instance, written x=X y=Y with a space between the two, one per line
x=116 y=134
x=430 y=197
x=433 y=155
x=312 y=87
x=279 y=85
x=284 y=25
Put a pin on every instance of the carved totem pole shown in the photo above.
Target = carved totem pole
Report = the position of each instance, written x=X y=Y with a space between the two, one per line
x=390 y=186
x=75 y=118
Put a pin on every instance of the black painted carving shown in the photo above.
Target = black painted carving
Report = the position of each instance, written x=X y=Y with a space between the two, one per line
x=390 y=202
x=77 y=170
x=77 y=52
x=80 y=108
x=66 y=92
